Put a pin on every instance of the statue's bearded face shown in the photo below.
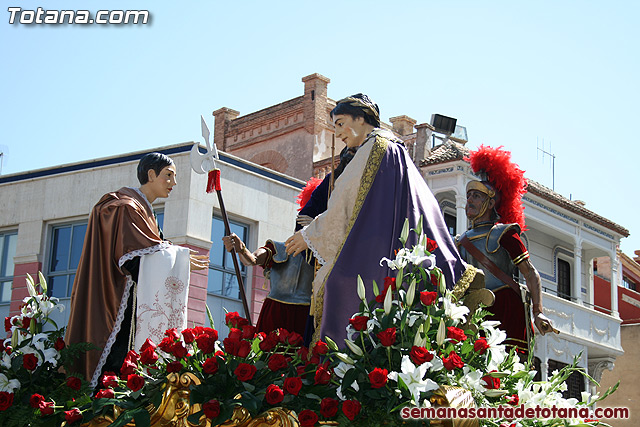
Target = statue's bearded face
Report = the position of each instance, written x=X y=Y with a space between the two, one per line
x=352 y=131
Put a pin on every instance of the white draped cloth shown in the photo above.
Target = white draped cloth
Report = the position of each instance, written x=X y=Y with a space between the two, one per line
x=162 y=293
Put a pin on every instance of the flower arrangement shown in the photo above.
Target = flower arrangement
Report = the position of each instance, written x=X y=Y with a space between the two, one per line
x=410 y=339
x=30 y=362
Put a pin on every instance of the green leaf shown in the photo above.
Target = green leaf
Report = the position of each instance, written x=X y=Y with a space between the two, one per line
x=349 y=377
x=141 y=417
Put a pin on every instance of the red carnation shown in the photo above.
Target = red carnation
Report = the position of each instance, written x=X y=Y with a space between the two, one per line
x=420 y=355
x=210 y=366
x=428 y=298
x=292 y=385
x=277 y=362
x=387 y=337
x=453 y=361
x=29 y=361
x=35 y=400
x=378 y=377
x=359 y=322
x=74 y=383
x=274 y=394
x=245 y=372
x=307 y=418
x=211 y=409
x=72 y=415
x=135 y=382
x=329 y=407
x=481 y=345
x=456 y=334
x=351 y=408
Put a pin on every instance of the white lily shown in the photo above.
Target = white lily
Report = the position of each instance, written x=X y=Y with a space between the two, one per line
x=8 y=385
x=453 y=310
x=361 y=290
x=411 y=292
x=441 y=334
x=387 y=301
x=353 y=347
x=412 y=376
x=397 y=263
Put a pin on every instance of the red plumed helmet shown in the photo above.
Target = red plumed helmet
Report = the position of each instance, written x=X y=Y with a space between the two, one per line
x=305 y=194
x=506 y=178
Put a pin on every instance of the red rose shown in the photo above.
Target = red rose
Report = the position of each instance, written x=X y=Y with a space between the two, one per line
x=428 y=298
x=269 y=342
x=59 y=344
x=456 y=334
x=189 y=335
x=135 y=382
x=245 y=371
x=7 y=324
x=320 y=348
x=277 y=362
x=72 y=415
x=513 y=400
x=233 y=320
x=105 y=393
x=323 y=375
x=244 y=349
x=210 y=366
x=274 y=394
x=166 y=344
x=453 y=361
x=359 y=322
x=35 y=400
x=147 y=344
x=378 y=377
x=128 y=367
x=351 y=408
x=292 y=385
x=149 y=356
x=211 y=333
x=435 y=280
x=46 y=408
x=431 y=245
x=387 y=337
x=178 y=350
x=211 y=409
x=491 y=382
x=420 y=355
x=235 y=334
x=303 y=353
x=172 y=334
x=481 y=345
x=329 y=407
x=175 y=366
x=389 y=282
x=30 y=361
x=74 y=383
x=206 y=343
x=295 y=339
x=110 y=379
x=314 y=360
x=307 y=418
x=248 y=332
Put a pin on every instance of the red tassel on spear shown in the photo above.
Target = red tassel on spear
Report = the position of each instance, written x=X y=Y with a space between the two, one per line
x=201 y=164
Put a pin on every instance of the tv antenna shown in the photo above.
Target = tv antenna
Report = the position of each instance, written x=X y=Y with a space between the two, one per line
x=553 y=161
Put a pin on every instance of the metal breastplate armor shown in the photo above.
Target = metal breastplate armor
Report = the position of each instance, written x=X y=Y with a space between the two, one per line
x=487 y=239
x=290 y=277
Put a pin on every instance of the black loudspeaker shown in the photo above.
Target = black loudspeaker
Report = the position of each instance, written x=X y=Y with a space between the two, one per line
x=443 y=124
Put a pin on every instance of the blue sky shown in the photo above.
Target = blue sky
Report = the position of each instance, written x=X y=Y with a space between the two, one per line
x=513 y=73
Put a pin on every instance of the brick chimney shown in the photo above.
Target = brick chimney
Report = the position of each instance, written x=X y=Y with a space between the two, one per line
x=315 y=102
x=403 y=125
x=223 y=117
x=422 y=147
x=637 y=257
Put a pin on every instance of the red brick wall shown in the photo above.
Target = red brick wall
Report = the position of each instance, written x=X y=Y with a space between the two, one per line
x=20 y=291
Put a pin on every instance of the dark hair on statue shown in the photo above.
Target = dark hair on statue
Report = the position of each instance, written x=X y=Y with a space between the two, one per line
x=364 y=107
x=152 y=161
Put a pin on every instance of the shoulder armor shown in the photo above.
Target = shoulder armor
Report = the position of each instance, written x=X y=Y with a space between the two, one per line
x=496 y=233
